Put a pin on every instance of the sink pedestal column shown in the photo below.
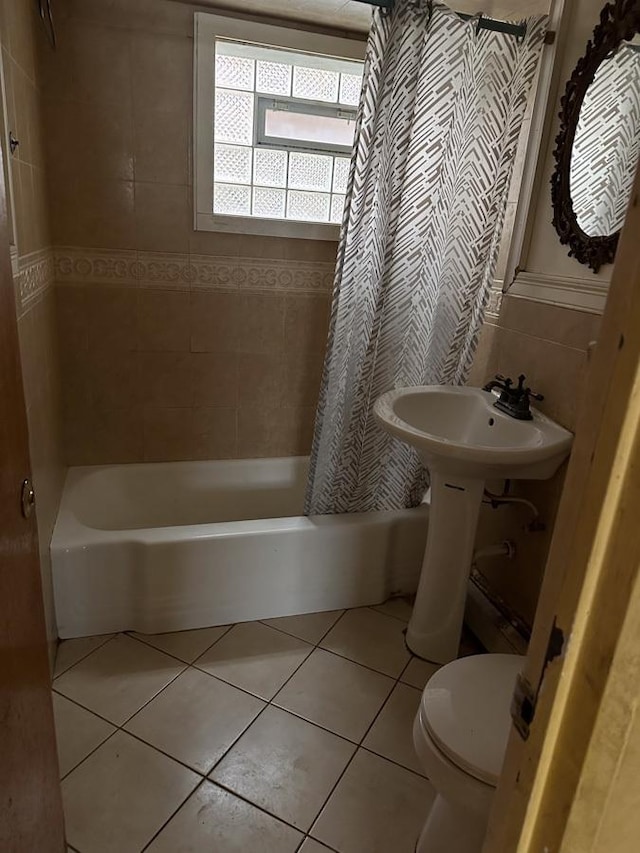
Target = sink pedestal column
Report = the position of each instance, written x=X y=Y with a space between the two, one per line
x=436 y=622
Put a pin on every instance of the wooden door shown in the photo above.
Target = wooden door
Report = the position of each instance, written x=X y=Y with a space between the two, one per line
x=30 y=802
x=587 y=597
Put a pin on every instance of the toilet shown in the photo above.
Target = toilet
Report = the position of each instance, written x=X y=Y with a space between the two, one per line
x=460 y=734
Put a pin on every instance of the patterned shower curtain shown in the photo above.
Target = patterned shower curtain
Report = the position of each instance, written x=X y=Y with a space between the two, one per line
x=437 y=129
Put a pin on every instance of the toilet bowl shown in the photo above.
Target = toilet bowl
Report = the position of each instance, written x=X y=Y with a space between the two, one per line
x=460 y=735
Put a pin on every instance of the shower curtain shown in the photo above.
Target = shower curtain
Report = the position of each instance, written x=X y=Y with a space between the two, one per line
x=437 y=129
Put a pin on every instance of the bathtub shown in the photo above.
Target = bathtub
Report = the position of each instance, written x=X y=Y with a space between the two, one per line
x=157 y=547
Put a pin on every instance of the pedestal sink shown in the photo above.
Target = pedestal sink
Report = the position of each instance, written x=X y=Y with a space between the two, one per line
x=463 y=441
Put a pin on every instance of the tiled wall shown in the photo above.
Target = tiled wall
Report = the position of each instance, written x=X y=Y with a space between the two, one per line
x=546 y=342
x=549 y=345
x=197 y=368
x=157 y=367
x=20 y=35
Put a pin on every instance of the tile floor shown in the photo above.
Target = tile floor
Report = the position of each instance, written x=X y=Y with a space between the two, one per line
x=285 y=735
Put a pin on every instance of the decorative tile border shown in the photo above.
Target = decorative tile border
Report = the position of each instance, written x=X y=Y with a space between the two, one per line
x=190 y=272
x=34 y=274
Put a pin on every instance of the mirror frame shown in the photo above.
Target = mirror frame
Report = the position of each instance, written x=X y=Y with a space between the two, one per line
x=619 y=21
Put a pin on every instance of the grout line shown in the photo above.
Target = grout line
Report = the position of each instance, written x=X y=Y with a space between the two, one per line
x=95 y=749
x=268 y=703
x=173 y=814
x=265 y=622
x=141 y=639
x=375 y=607
x=393 y=761
x=363 y=665
x=80 y=659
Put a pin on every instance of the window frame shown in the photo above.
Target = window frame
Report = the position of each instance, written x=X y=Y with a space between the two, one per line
x=302 y=107
x=208 y=27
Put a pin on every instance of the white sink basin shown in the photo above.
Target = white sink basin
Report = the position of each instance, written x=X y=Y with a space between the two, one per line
x=463 y=441
x=458 y=431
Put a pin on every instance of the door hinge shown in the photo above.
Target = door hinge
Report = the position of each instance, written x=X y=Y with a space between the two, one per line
x=27 y=498
x=525 y=697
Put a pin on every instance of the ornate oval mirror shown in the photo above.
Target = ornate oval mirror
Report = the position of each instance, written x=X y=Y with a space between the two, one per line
x=599 y=139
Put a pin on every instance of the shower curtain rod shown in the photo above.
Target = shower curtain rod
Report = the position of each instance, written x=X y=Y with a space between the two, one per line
x=518 y=30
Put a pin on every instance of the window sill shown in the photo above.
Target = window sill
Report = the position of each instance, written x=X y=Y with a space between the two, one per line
x=267 y=227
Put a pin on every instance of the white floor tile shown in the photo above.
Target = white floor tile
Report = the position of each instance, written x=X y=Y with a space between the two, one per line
x=117 y=799
x=377 y=807
x=78 y=732
x=186 y=645
x=392 y=733
x=255 y=657
x=399 y=608
x=338 y=694
x=285 y=765
x=117 y=679
x=195 y=719
x=311 y=846
x=418 y=672
x=215 y=821
x=71 y=651
x=370 y=638
x=310 y=627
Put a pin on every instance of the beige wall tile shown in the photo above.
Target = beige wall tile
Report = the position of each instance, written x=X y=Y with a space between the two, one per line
x=76 y=378
x=214 y=379
x=556 y=371
x=214 y=243
x=480 y=369
x=66 y=225
x=261 y=380
x=163 y=320
x=216 y=320
x=61 y=140
x=302 y=377
x=262 y=323
x=163 y=215
x=323 y=251
x=113 y=382
x=100 y=139
x=72 y=318
x=549 y=322
x=101 y=65
x=275 y=432
x=548 y=344
x=165 y=379
x=254 y=246
x=19 y=34
x=162 y=72
x=214 y=433
x=149 y=15
x=102 y=214
x=111 y=318
x=117 y=111
x=55 y=67
x=167 y=434
x=306 y=323
x=162 y=145
x=118 y=435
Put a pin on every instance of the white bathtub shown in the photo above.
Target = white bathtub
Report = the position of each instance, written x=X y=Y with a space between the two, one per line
x=178 y=545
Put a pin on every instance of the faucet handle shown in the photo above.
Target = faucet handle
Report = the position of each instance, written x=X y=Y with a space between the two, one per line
x=526 y=392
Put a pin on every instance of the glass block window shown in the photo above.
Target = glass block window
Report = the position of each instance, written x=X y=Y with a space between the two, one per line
x=283 y=128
